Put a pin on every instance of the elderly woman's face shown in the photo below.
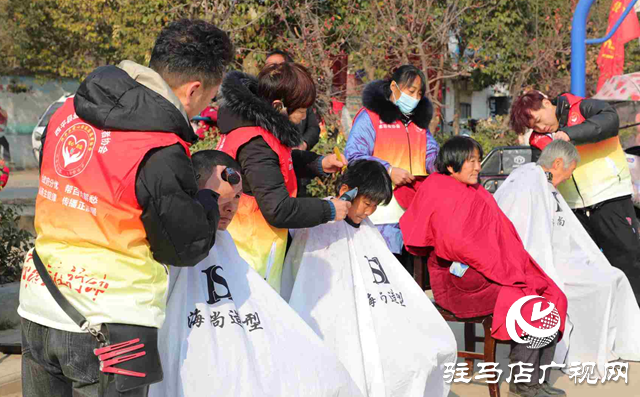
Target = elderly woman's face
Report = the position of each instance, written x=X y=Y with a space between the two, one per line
x=470 y=170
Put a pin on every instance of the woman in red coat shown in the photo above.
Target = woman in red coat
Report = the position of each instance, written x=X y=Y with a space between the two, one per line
x=477 y=263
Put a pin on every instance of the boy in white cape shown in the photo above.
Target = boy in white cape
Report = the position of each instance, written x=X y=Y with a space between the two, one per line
x=602 y=306
x=228 y=333
x=345 y=283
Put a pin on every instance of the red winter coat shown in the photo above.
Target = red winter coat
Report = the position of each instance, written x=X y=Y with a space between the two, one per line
x=452 y=221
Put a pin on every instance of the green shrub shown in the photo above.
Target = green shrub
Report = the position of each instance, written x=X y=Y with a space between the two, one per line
x=14 y=244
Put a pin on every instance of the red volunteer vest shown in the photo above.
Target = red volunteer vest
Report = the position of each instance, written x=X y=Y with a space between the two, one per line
x=401 y=146
x=540 y=141
x=260 y=244
x=602 y=173
x=90 y=234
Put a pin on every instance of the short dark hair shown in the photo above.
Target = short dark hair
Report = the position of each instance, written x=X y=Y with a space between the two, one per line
x=521 y=110
x=405 y=75
x=288 y=82
x=455 y=152
x=371 y=178
x=191 y=50
x=284 y=54
x=205 y=161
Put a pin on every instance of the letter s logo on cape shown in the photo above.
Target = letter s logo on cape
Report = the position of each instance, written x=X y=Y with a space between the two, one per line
x=542 y=328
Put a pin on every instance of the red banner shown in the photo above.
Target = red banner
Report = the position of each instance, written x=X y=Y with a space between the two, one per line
x=611 y=57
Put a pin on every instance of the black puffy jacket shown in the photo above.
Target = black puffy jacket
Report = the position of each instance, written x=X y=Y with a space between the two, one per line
x=180 y=221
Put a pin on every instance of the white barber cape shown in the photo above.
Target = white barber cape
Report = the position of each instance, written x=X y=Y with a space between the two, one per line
x=347 y=285
x=228 y=333
x=602 y=306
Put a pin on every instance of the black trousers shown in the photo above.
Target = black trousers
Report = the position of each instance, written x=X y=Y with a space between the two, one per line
x=614 y=228
x=536 y=357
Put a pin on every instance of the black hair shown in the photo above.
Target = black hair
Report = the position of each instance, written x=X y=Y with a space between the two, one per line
x=191 y=50
x=282 y=53
x=405 y=75
x=205 y=161
x=371 y=178
x=455 y=152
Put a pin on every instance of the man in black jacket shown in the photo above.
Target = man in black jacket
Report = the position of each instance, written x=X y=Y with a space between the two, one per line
x=118 y=202
x=309 y=127
x=599 y=191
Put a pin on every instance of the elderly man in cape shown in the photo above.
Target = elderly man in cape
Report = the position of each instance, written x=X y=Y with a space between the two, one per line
x=602 y=306
x=228 y=333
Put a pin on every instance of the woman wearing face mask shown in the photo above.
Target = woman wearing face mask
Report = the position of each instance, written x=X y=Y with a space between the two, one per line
x=393 y=129
x=257 y=120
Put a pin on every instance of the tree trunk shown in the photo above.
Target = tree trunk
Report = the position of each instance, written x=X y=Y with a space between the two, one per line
x=456 y=107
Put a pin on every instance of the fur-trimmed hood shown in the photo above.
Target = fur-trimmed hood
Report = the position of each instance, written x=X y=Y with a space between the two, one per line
x=376 y=99
x=241 y=107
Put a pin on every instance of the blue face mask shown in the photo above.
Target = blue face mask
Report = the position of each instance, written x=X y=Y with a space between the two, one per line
x=405 y=103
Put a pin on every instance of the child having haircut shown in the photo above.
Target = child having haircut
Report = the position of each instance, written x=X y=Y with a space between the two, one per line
x=343 y=280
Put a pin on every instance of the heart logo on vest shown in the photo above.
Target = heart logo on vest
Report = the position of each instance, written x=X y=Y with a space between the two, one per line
x=74 y=150
x=574 y=118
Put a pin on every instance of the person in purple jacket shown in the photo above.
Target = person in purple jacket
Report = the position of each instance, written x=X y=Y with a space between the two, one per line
x=393 y=128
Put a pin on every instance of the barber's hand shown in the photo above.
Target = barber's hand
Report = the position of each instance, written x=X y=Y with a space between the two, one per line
x=401 y=177
x=226 y=190
x=561 y=135
x=331 y=163
x=342 y=208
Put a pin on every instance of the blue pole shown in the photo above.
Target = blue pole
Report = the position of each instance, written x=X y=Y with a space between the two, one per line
x=579 y=47
x=615 y=27
x=579 y=43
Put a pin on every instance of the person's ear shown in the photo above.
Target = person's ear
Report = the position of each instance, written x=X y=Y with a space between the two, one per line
x=558 y=164
x=395 y=89
x=278 y=105
x=546 y=103
x=193 y=88
x=343 y=189
x=450 y=169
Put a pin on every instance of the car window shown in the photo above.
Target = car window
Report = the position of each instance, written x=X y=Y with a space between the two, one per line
x=491 y=165
x=514 y=158
x=47 y=116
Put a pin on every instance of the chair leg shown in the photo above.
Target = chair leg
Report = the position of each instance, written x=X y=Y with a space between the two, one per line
x=490 y=354
x=470 y=343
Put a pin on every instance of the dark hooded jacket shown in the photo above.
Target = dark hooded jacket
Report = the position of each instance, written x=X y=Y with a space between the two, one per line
x=180 y=221
x=601 y=122
x=262 y=178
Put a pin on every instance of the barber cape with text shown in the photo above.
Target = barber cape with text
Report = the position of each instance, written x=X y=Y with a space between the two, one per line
x=228 y=333
x=347 y=285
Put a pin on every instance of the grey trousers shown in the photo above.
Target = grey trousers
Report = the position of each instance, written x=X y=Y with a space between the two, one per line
x=536 y=357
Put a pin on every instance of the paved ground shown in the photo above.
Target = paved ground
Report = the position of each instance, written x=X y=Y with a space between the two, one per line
x=10 y=379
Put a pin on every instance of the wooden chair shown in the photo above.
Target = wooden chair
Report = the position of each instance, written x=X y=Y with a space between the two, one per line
x=470 y=338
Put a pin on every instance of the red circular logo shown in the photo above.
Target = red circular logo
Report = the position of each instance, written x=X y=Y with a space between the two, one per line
x=74 y=150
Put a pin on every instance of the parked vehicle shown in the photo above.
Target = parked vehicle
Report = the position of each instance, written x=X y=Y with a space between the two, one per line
x=36 y=135
x=499 y=163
